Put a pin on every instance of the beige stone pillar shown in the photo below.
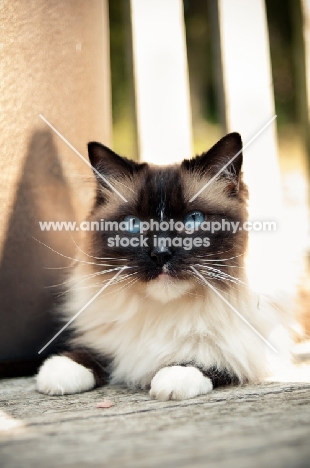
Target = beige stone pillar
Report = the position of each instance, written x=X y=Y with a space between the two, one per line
x=54 y=61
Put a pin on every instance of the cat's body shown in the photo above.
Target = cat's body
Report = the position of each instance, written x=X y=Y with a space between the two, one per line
x=177 y=321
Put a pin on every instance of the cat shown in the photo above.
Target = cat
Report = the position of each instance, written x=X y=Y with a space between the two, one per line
x=168 y=322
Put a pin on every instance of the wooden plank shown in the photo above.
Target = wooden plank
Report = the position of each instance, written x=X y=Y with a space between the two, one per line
x=305 y=7
x=248 y=90
x=161 y=80
x=253 y=426
x=306 y=36
x=301 y=28
x=248 y=105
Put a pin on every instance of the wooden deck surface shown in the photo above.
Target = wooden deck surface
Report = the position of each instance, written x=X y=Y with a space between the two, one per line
x=253 y=426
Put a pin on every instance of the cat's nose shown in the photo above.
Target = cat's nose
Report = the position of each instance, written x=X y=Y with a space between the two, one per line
x=161 y=255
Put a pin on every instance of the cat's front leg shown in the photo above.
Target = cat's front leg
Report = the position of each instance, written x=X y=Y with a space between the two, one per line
x=73 y=372
x=179 y=383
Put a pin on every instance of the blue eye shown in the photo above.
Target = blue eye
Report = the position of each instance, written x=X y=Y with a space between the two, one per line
x=133 y=224
x=194 y=219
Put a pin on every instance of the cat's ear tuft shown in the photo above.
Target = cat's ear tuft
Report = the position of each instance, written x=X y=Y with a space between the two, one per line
x=110 y=164
x=226 y=153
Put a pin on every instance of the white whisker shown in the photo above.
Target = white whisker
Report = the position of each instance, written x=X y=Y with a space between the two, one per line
x=96 y=258
x=65 y=256
x=90 y=276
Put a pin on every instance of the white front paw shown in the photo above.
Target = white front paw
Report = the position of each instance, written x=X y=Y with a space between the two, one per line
x=60 y=375
x=179 y=383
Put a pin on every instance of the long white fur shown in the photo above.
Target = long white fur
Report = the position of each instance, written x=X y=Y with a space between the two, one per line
x=146 y=328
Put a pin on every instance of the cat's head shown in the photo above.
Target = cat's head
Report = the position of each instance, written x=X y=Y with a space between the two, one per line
x=185 y=230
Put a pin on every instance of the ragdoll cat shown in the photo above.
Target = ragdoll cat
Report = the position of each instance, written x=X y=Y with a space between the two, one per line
x=165 y=324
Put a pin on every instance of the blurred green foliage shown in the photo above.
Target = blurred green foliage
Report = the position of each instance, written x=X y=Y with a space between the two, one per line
x=280 y=26
x=119 y=46
x=123 y=112
x=200 y=66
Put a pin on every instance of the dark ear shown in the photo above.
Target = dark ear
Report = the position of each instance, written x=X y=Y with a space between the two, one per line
x=110 y=164
x=219 y=157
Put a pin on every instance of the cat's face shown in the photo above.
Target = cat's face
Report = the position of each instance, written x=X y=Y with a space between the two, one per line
x=182 y=233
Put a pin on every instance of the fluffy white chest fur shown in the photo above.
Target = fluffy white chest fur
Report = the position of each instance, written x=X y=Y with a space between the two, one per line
x=145 y=329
